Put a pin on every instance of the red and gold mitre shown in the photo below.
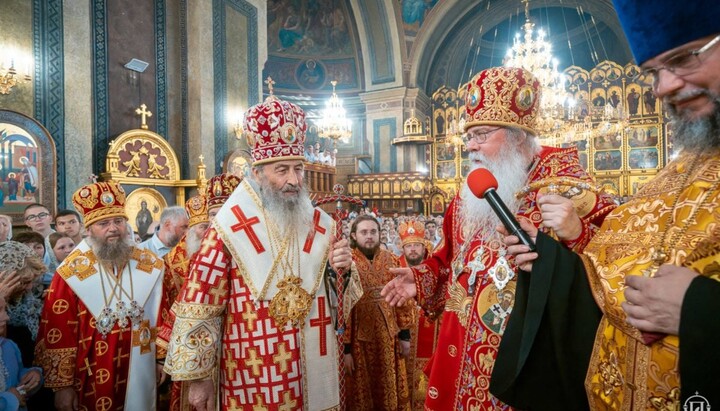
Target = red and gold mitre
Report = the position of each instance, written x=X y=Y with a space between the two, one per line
x=412 y=232
x=275 y=130
x=219 y=189
x=503 y=96
x=197 y=210
x=98 y=201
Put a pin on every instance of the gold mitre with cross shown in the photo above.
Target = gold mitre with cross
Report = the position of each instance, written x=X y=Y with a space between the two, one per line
x=411 y=232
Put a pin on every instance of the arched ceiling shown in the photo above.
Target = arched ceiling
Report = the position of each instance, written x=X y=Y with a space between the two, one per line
x=374 y=44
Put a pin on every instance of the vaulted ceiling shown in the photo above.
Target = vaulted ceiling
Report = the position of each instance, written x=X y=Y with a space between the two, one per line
x=369 y=45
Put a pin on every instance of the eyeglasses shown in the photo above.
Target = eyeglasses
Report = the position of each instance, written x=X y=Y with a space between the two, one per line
x=681 y=64
x=479 y=137
x=39 y=216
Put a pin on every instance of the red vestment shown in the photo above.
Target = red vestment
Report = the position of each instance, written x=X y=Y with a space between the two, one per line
x=473 y=322
x=74 y=354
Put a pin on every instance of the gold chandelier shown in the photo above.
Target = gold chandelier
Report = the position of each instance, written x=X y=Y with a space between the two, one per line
x=14 y=69
x=534 y=54
x=334 y=123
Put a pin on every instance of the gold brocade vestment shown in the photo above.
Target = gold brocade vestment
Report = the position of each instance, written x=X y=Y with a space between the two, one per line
x=624 y=373
x=380 y=379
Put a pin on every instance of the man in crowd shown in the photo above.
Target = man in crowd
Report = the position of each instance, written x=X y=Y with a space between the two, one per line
x=376 y=334
x=432 y=234
x=69 y=222
x=466 y=275
x=96 y=337
x=39 y=219
x=255 y=295
x=640 y=305
x=424 y=333
x=173 y=225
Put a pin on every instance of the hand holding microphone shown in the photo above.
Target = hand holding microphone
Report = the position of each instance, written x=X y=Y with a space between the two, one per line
x=483 y=184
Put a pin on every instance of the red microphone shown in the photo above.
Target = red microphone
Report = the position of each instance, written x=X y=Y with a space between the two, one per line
x=482 y=184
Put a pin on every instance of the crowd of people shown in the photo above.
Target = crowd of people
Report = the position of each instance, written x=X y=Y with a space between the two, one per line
x=246 y=298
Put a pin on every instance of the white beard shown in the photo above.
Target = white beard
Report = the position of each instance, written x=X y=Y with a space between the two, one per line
x=192 y=240
x=290 y=215
x=511 y=171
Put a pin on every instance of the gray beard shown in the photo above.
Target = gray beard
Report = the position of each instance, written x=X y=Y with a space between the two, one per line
x=699 y=134
x=118 y=253
x=192 y=242
x=511 y=171
x=290 y=215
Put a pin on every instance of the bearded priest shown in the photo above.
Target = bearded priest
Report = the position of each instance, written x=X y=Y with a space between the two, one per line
x=470 y=279
x=255 y=299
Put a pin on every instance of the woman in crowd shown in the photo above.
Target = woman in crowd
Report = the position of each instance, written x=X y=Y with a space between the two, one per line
x=20 y=264
x=5 y=227
x=61 y=245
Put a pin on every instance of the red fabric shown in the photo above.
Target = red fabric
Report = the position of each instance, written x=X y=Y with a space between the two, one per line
x=461 y=366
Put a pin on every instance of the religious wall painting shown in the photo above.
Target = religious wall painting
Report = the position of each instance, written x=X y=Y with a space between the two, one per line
x=643 y=158
x=610 y=184
x=632 y=99
x=607 y=160
x=27 y=165
x=414 y=13
x=439 y=122
x=437 y=204
x=444 y=152
x=310 y=74
x=445 y=170
x=650 y=102
x=580 y=145
x=599 y=98
x=465 y=167
x=636 y=182
x=308 y=27
x=236 y=163
x=143 y=207
x=643 y=136
x=607 y=142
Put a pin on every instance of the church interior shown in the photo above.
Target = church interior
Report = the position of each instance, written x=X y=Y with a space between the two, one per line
x=152 y=94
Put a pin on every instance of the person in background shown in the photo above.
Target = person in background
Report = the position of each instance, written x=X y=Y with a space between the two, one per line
x=70 y=223
x=173 y=225
x=5 y=227
x=33 y=240
x=17 y=383
x=377 y=336
x=21 y=267
x=62 y=245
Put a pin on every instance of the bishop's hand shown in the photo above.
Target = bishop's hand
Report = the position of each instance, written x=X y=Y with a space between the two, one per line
x=201 y=395
x=401 y=288
x=340 y=255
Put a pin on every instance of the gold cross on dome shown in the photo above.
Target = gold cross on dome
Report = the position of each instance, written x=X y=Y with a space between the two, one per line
x=270 y=83
x=144 y=114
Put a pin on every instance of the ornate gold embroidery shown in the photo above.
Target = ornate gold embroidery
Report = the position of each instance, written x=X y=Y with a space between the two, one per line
x=669 y=403
x=146 y=260
x=58 y=365
x=291 y=303
x=610 y=374
x=459 y=303
x=193 y=347
x=78 y=264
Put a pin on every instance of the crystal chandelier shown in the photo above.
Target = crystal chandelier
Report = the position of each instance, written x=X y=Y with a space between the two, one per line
x=534 y=54
x=14 y=69
x=334 y=124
